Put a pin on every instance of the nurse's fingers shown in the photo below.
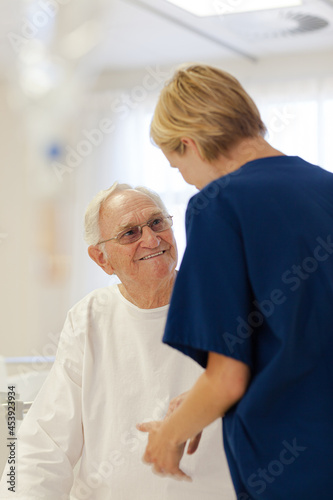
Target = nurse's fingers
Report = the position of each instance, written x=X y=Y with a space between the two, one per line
x=177 y=474
x=175 y=402
x=180 y=475
x=158 y=470
x=163 y=458
x=193 y=444
x=148 y=426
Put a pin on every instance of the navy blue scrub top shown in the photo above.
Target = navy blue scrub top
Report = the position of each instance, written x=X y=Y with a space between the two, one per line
x=256 y=284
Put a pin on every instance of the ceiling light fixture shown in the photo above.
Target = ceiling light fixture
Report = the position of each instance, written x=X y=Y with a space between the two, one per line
x=205 y=8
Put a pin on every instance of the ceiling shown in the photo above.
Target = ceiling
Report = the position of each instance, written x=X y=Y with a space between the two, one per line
x=155 y=31
x=119 y=35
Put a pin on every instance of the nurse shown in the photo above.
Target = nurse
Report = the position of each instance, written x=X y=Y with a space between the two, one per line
x=253 y=298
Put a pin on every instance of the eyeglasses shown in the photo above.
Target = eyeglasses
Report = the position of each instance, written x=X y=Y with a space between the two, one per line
x=134 y=233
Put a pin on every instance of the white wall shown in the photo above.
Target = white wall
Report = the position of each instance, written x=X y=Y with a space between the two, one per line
x=35 y=218
x=19 y=317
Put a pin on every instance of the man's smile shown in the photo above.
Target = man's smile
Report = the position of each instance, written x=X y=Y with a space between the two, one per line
x=152 y=255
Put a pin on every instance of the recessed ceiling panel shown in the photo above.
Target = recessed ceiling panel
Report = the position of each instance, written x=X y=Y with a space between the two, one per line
x=205 y=8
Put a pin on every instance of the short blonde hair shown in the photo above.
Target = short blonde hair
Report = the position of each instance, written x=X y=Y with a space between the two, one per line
x=207 y=105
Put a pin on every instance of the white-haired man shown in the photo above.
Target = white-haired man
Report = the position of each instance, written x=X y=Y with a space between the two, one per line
x=112 y=371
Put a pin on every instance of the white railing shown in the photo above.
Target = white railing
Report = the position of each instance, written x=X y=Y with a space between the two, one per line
x=17 y=392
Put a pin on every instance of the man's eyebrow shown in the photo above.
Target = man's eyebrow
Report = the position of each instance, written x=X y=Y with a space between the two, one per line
x=127 y=225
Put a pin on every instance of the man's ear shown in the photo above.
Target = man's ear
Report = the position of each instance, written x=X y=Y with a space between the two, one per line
x=191 y=145
x=96 y=254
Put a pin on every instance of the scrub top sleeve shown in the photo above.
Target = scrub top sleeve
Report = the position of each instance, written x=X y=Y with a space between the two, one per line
x=212 y=295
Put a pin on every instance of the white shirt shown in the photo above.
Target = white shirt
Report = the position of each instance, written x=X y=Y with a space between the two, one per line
x=111 y=372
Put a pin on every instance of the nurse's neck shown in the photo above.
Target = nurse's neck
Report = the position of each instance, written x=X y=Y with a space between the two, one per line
x=246 y=150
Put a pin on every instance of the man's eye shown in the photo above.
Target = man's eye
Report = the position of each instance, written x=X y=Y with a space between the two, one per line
x=130 y=232
x=156 y=222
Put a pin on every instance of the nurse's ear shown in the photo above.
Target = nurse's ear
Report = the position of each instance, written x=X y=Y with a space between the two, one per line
x=191 y=145
x=98 y=256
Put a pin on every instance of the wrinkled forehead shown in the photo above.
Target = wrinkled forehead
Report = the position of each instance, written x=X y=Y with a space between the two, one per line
x=128 y=208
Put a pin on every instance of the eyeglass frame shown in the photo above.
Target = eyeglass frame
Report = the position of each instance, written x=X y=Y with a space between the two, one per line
x=150 y=221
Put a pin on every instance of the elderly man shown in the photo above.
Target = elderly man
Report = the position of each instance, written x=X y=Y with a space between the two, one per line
x=112 y=370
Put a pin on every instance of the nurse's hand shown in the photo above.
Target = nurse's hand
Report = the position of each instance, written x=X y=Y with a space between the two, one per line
x=161 y=453
x=174 y=403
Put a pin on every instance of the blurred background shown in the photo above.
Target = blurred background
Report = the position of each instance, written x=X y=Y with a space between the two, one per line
x=78 y=83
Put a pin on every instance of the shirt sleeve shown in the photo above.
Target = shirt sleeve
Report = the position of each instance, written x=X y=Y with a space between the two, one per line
x=211 y=300
x=50 y=438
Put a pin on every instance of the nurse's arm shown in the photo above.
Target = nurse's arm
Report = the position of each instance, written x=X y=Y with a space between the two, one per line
x=223 y=384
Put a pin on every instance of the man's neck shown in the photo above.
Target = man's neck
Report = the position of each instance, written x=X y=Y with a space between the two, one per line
x=150 y=296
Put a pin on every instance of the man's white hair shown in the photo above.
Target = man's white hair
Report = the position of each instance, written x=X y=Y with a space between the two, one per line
x=92 y=233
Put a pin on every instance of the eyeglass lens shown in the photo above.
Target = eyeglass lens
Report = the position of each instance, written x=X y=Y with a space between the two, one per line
x=134 y=233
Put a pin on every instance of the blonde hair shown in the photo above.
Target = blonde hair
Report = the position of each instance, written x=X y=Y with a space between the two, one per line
x=92 y=233
x=207 y=105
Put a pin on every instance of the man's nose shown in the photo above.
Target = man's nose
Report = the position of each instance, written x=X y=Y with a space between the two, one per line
x=149 y=237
